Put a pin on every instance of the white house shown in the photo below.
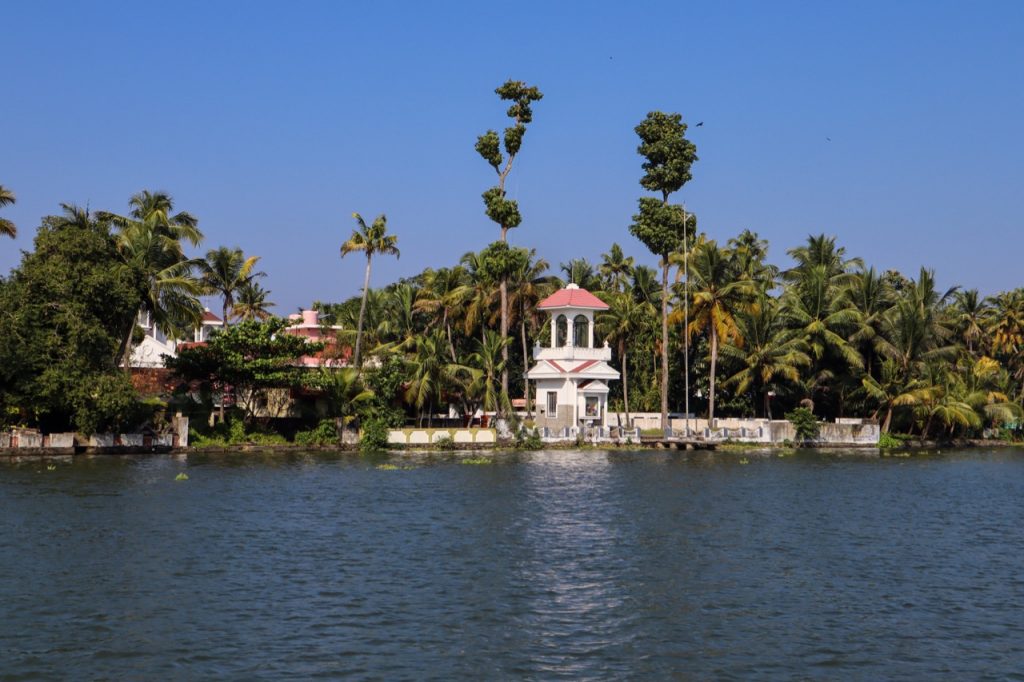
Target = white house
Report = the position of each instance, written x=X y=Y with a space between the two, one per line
x=572 y=374
x=155 y=344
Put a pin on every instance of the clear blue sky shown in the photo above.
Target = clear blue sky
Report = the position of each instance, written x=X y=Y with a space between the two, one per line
x=273 y=122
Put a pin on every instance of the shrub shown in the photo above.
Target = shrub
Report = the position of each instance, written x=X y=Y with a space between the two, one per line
x=805 y=423
x=887 y=440
x=374 y=435
x=444 y=443
x=325 y=433
x=528 y=439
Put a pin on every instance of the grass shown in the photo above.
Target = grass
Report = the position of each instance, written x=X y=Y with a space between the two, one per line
x=477 y=460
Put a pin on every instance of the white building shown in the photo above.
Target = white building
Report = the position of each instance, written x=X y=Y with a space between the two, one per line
x=155 y=344
x=572 y=374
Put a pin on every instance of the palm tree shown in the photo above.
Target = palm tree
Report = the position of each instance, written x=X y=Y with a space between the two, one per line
x=344 y=390
x=149 y=240
x=620 y=324
x=7 y=198
x=581 y=272
x=771 y=353
x=371 y=240
x=616 y=269
x=527 y=287
x=717 y=297
x=869 y=295
x=1006 y=323
x=971 y=315
x=443 y=290
x=432 y=374
x=252 y=303
x=226 y=272
x=478 y=297
x=488 y=361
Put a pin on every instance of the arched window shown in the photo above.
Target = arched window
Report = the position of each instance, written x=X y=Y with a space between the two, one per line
x=581 y=332
x=561 y=331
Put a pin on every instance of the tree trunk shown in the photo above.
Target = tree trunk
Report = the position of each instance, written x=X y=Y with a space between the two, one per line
x=448 y=330
x=124 y=352
x=888 y=420
x=711 y=390
x=362 y=315
x=664 y=342
x=767 y=405
x=504 y=345
x=224 y=312
x=526 y=366
x=625 y=381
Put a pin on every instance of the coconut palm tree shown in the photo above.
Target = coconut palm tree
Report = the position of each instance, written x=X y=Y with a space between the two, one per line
x=616 y=269
x=226 y=272
x=488 y=363
x=580 y=272
x=869 y=295
x=443 y=291
x=717 y=296
x=431 y=374
x=527 y=287
x=7 y=198
x=150 y=239
x=623 y=321
x=479 y=296
x=252 y=303
x=370 y=240
x=971 y=312
x=771 y=353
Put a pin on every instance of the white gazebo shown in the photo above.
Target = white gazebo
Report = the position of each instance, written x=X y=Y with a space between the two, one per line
x=572 y=375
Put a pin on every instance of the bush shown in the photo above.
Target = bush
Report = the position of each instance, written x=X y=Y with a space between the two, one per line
x=528 y=439
x=444 y=443
x=325 y=433
x=374 y=435
x=887 y=440
x=805 y=423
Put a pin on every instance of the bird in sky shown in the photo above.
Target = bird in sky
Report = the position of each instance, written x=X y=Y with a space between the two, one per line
x=699 y=124
x=828 y=139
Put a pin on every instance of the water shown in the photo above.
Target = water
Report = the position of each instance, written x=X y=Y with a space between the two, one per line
x=562 y=565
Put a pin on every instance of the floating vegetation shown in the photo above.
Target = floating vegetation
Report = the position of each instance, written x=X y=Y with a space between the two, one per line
x=744 y=461
x=51 y=467
x=388 y=467
x=478 y=460
x=181 y=477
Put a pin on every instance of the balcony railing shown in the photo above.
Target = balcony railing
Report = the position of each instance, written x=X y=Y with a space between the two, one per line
x=572 y=353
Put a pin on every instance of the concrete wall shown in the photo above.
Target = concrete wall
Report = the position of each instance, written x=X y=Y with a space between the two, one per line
x=424 y=437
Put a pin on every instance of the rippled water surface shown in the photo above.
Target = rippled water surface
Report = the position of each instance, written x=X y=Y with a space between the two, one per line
x=551 y=565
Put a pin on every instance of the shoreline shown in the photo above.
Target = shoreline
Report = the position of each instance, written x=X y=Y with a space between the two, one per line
x=496 y=449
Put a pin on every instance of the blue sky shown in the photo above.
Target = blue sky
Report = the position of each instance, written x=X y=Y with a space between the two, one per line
x=273 y=122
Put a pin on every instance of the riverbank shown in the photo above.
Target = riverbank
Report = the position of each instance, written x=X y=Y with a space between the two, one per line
x=498 y=449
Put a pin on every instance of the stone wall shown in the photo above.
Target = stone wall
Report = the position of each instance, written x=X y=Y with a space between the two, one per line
x=846 y=431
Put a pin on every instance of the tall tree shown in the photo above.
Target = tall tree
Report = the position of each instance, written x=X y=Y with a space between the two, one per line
x=497 y=206
x=616 y=269
x=252 y=303
x=659 y=225
x=620 y=324
x=528 y=286
x=718 y=296
x=7 y=198
x=371 y=240
x=150 y=239
x=226 y=272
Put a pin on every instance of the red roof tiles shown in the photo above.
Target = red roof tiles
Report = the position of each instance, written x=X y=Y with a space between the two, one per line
x=573 y=297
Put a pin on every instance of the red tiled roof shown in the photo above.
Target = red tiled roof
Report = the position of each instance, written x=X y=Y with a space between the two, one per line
x=210 y=317
x=573 y=297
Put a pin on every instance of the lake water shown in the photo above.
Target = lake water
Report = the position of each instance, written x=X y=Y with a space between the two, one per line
x=553 y=565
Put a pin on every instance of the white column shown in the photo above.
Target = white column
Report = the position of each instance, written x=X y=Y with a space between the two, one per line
x=590 y=330
x=554 y=330
x=570 y=330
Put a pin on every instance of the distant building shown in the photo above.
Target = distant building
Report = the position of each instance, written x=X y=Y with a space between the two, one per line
x=156 y=343
x=572 y=375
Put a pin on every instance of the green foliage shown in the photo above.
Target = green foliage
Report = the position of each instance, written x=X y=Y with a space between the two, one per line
x=528 y=439
x=373 y=437
x=247 y=357
x=659 y=226
x=444 y=443
x=504 y=212
x=668 y=154
x=805 y=423
x=477 y=461
x=60 y=316
x=325 y=433
x=888 y=441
